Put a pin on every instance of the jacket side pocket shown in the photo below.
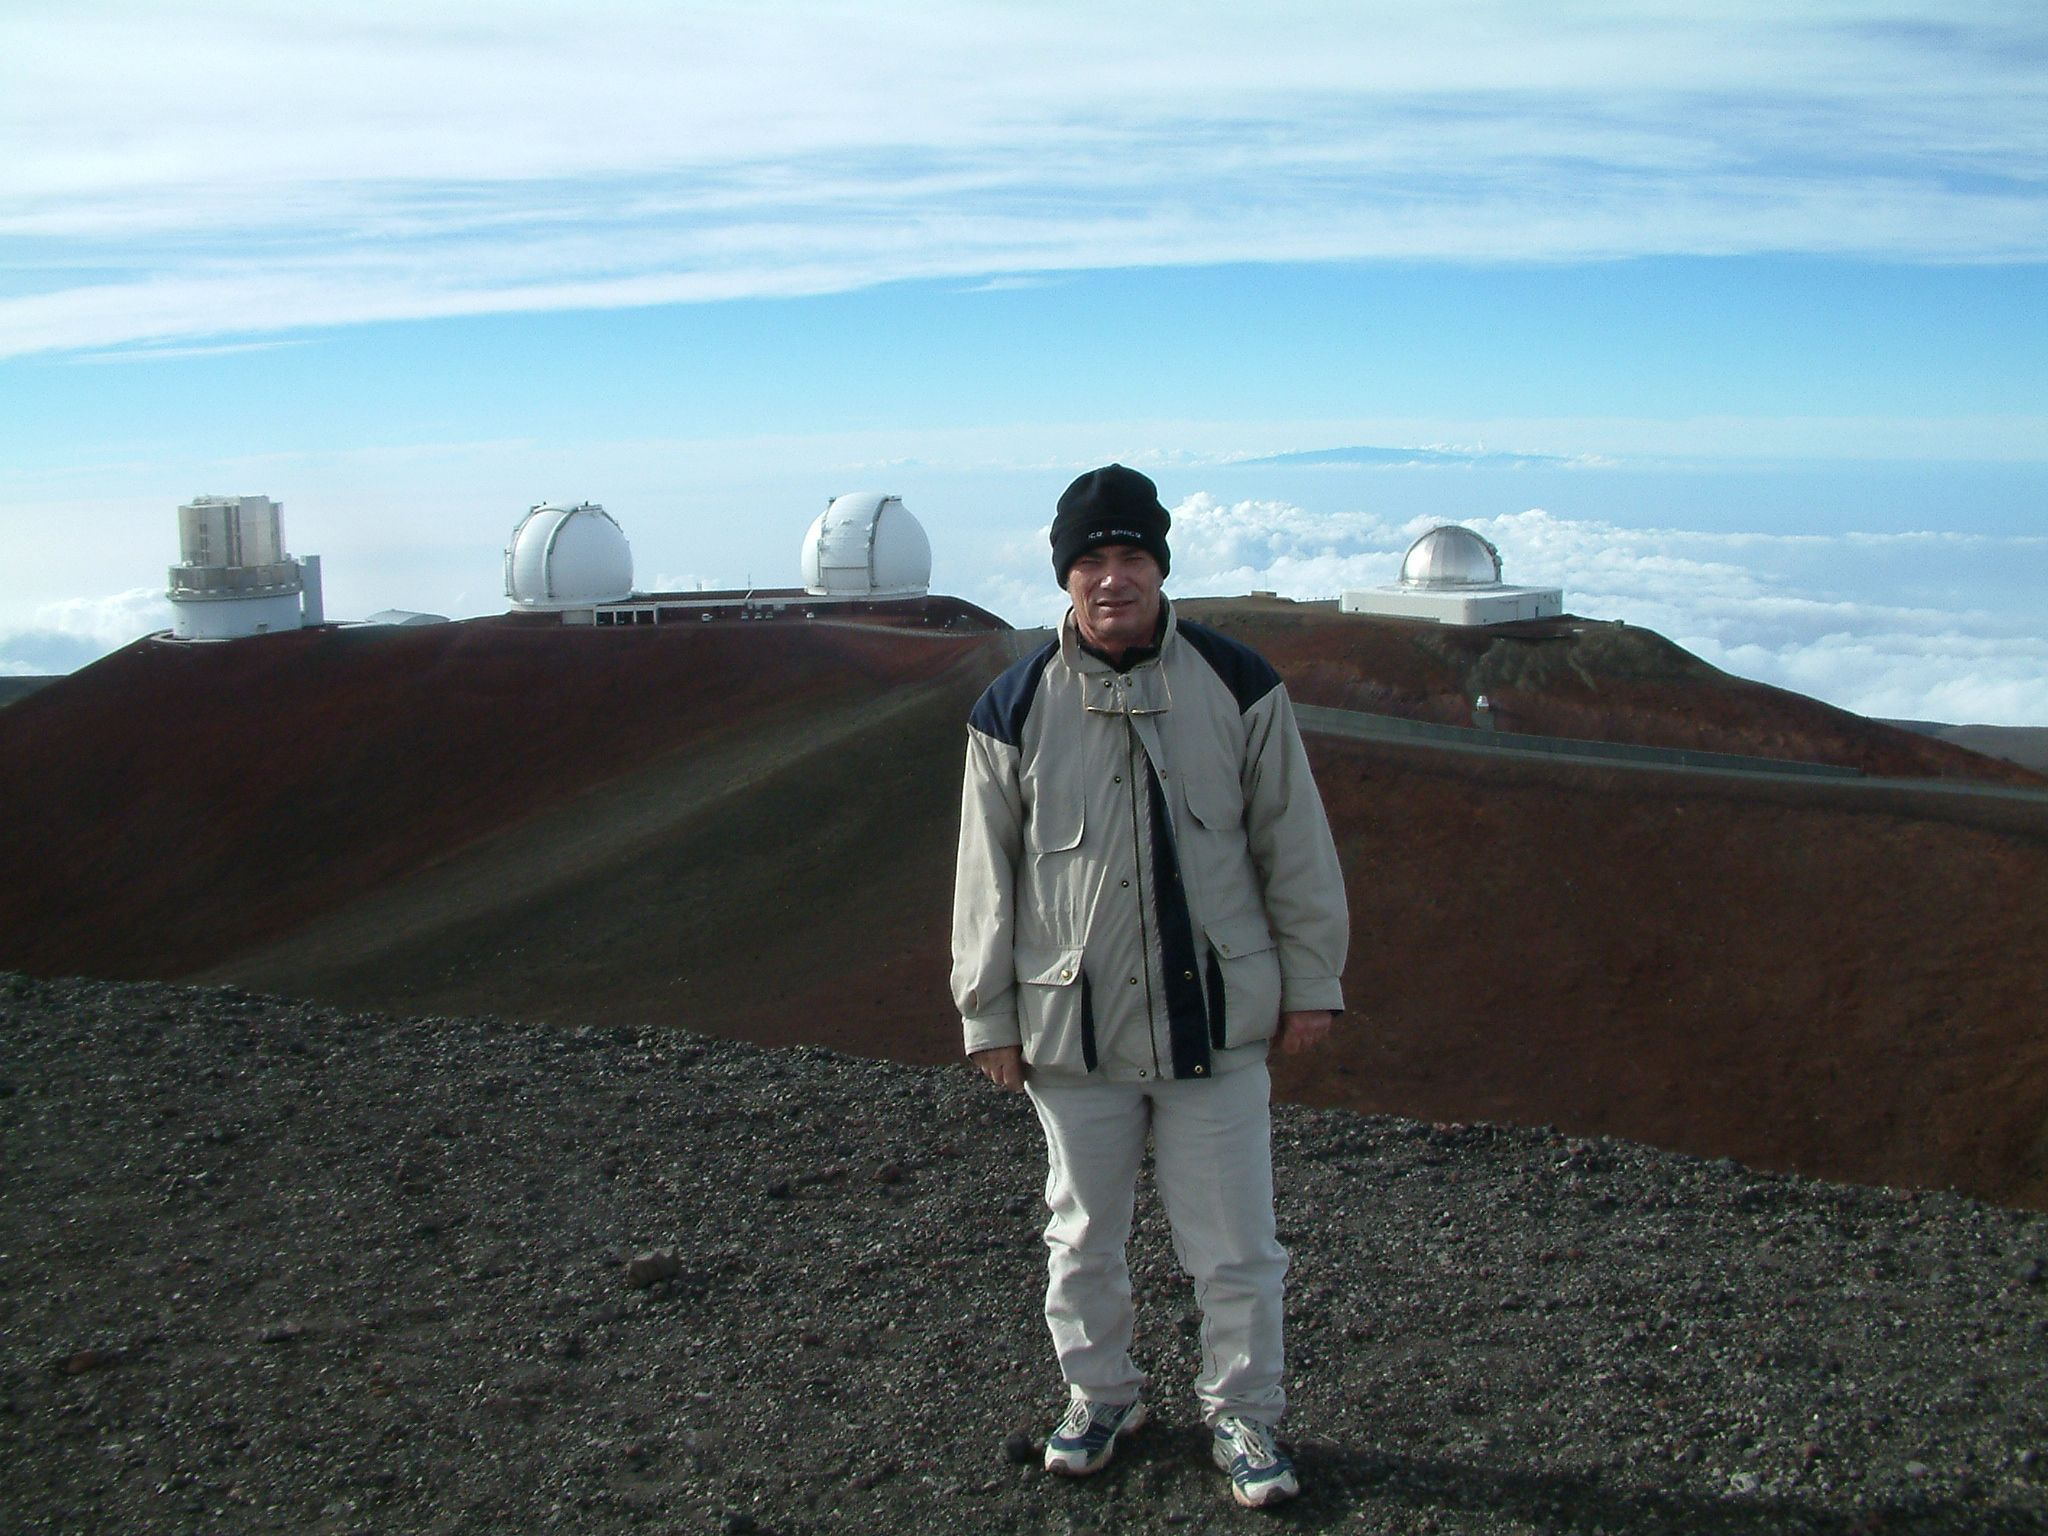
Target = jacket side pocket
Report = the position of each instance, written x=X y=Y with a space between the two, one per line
x=1053 y=1008
x=1243 y=982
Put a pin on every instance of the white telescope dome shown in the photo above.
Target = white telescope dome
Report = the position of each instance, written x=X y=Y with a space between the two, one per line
x=1451 y=556
x=568 y=557
x=865 y=544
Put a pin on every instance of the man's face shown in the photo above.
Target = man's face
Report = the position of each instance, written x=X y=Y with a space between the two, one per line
x=1115 y=592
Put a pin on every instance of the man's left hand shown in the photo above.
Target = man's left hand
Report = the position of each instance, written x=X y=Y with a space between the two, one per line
x=1304 y=1031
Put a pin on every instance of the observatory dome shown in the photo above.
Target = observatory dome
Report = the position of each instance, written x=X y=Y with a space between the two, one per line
x=865 y=544
x=568 y=557
x=1451 y=557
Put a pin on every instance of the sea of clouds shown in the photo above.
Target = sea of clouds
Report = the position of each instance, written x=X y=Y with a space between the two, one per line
x=1922 y=626
x=63 y=636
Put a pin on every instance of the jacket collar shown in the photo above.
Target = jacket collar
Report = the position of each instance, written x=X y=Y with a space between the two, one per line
x=1139 y=689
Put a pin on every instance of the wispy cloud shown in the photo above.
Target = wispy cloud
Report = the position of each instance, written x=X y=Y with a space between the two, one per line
x=225 y=168
x=1436 y=456
x=64 y=636
x=1011 y=284
x=167 y=354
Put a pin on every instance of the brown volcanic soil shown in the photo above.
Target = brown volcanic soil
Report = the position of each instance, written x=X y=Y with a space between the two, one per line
x=793 y=889
x=174 y=805
x=1807 y=977
x=2026 y=745
x=1584 y=679
x=1815 y=977
x=266 y=1266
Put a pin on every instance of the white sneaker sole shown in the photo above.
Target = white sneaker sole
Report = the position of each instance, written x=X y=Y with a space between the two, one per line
x=1272 y=1493
x=1060 y=1467
x=1278 y=1491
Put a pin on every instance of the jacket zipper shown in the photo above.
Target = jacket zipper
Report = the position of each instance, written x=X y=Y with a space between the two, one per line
x=1131 y=747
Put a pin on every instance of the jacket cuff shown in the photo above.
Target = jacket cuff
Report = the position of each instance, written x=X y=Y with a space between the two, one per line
x=1311 y=994
x=990 y=1031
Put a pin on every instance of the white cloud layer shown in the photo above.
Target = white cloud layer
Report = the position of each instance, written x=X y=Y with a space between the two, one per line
x=1790 y=610
x=64 y=636
x=230 y=167
x=1915 y=625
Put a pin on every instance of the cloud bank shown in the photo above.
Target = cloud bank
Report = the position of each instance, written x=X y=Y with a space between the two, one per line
x=223 y=167
x=1917 y=625
x=1824 y=615
x=64 y=636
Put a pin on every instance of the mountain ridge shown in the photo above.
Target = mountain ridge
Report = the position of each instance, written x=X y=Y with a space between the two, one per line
x=748 y=830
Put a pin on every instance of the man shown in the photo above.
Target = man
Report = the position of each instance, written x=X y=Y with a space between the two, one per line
x=1147 y=895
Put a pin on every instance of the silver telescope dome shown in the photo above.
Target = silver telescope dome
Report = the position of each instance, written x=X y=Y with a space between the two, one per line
x=1451 y=556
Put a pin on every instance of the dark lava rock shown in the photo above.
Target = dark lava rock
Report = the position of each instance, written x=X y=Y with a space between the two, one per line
x=1492 y=1329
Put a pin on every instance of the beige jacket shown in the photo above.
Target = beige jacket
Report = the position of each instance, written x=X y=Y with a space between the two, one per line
x=1146 y=878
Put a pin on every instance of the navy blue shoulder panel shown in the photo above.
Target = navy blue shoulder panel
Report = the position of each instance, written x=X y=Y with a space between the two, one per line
x=1247 y=674
x=1001 y=709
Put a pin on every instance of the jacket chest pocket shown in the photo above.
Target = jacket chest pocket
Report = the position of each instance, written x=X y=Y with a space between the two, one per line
x=1216 y=854
x=1055 y=824
x=1217 y=804
x=1053 y=879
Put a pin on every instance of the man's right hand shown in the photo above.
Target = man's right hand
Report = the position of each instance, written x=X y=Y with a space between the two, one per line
x=1003 y=1065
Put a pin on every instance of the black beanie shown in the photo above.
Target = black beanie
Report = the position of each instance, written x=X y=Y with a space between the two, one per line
x=1111 y=505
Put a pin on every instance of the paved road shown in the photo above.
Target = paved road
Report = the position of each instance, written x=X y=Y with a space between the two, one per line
x=1391 y=731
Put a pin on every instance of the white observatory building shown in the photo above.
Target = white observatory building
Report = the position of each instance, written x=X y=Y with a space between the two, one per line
x=568 y=557
x=865 y=545
x=864 y=560
x=1453 y=576
x=233 y=576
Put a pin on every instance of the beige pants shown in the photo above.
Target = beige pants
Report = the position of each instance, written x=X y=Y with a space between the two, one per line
x=1213 y=1163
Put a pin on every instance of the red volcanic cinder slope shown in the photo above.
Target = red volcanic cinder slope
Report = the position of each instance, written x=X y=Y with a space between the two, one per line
x=1818 y=977
x=175 y=804
x=1580 y=678
x=749 y=830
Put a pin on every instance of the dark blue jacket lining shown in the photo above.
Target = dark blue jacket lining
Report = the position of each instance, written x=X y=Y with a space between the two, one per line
x=1001 y=709
x=1247 y=674
x=1187 y=1023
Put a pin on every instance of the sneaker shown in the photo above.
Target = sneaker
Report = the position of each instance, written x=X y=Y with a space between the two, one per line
x=1260 y=1473
x=1087 y=1435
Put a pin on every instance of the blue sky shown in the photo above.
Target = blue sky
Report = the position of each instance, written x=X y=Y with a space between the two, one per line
x=1729 y=319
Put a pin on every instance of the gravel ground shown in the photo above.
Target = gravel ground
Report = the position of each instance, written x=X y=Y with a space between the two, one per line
x=266 y=1266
